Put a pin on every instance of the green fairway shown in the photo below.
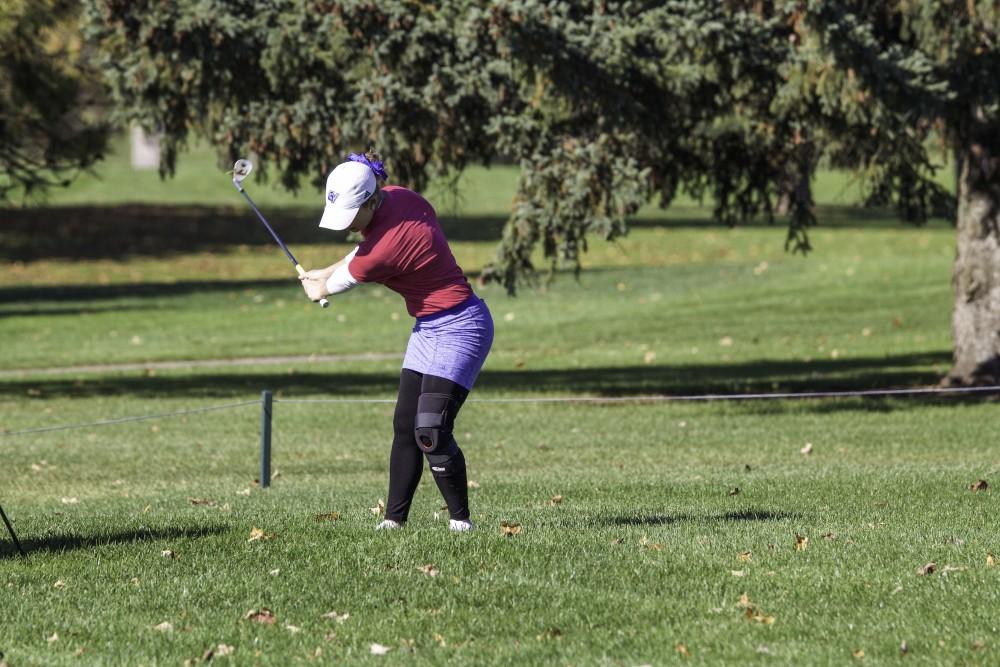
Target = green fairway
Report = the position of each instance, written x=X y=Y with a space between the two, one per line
x=642 y=525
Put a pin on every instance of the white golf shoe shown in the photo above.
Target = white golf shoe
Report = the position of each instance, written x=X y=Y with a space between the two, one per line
x=460 y=526
x=388 y=524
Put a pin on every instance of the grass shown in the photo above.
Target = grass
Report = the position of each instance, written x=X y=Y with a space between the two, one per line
x=643 y=560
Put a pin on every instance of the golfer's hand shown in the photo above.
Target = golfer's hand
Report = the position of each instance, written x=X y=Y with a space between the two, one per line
x=315 y=287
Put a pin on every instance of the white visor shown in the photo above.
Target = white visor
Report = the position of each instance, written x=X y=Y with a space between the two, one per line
x=348 y=186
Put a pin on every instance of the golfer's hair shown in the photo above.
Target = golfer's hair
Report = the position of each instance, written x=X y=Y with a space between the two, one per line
x=374 y=157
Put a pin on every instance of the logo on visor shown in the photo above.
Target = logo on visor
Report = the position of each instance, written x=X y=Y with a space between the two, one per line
x=331 y=196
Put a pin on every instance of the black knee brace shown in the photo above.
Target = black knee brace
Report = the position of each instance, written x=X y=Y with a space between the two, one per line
x=433 y=424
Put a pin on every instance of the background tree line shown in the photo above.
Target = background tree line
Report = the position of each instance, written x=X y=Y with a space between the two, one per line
x=604 y=106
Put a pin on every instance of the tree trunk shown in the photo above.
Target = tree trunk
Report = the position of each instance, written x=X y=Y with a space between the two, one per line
x=976 y=273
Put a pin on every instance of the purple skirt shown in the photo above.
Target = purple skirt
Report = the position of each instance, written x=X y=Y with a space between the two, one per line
x=452 y=344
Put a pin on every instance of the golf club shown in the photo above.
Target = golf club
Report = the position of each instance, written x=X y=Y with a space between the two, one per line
x=241 y=170
x=10 y=529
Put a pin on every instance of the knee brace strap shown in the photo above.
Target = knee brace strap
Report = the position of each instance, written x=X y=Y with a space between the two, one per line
x=431 y=426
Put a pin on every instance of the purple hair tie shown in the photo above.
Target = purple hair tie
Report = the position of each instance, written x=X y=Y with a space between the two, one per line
x=374 y=165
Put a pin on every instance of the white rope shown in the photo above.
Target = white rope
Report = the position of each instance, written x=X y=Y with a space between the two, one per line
x=107 y=422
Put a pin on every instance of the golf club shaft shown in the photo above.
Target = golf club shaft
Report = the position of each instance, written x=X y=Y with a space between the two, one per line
x=13 y=536
x=298 y=267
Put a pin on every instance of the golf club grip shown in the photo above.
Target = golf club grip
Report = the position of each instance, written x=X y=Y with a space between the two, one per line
x=322 y=302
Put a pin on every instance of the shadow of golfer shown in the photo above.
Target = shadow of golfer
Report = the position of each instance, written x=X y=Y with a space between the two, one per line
x=63 y=543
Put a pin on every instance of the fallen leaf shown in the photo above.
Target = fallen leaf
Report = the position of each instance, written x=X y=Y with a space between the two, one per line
x=378 y=510
x=378 y=649
x=168 y=553
x=224 y=649
x=53 y=638
x=201 y=501
x=649 y=544
x=328 y=516
x=953 y=568
x=275 y=572
x=927 y=569
x=439 y=638
x=753 y=614
x=258 y=534
x=744 y=601
x=429 y=570
x=683 y=650
x=829 y=536
x=69 y=500
x=509 y=529
x=294 y=629
x=551 y=633
x=991 y=560
x=244 y=492
x=618 y=540
x=340 y=618
x=744 y=556
x=59 y=584
x=472 y=485
x=726 y=341
x=978 y=645
x=801 y=542
x=649 y=357
x=735 y=491
x=807 y=450
x=904 y=648
x=738 y=573
x=858 y=653
x=979 y=485
x=166 y=626
x=555 y=500
x=262 y=615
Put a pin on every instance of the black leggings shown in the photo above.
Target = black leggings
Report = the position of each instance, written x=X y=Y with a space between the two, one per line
x=406 y=460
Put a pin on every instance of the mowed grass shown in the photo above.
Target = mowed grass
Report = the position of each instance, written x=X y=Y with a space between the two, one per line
x=642 y=524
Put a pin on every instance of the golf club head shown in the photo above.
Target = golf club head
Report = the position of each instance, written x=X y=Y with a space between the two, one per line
x=241 y=170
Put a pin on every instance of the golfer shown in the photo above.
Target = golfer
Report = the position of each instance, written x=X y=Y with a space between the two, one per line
x=404 y=249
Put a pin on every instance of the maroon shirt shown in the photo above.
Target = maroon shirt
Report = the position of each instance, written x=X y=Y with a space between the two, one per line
x=405 y=250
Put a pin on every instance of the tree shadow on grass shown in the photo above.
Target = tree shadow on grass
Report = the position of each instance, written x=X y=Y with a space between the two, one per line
x=758 y=376
x=669 y=519
x=147 y=230
x=73 y=542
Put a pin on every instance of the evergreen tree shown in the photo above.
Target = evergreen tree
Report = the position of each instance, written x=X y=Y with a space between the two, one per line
x=604 y=105
x=51 y=121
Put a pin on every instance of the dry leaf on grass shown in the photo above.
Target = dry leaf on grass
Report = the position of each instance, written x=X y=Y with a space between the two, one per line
x=59 y=585
x=168 y=553
x=829 y=536
x=166 y=626
x=904 y=648
x=275 y=572
x=649 y=544
x=858 y=653
x=683 y=650
x=551 y=633
x=258 y=534
x=69 y=501
x=328 y=516
x=202 y=501
x=735 y=491
x=738 y=573
x=472 y=485
x=754 y=614
x=555 y=500
x=262 y=615
x=744 y=601
x=439 y=638
x=979 y=644
x=53 y=638
x=509 y=528
x=744 y=556
x=979 y=485
x=379 y=649
x=293 y=629
x=334 y=616
x=429 y=570
x=991 y=560
x=378 y=510
x=801 y=542
x=807 y=450
x=927 y=569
